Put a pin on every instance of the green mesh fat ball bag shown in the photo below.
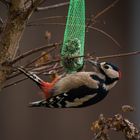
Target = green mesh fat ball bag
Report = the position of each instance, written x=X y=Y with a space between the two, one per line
x=74 y=37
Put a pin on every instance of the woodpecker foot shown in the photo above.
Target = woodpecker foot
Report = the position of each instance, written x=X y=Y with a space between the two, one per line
x=55 y=78
x=54 y=74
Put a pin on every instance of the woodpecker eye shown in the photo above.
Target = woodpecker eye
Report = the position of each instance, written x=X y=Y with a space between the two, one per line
x=106 y=66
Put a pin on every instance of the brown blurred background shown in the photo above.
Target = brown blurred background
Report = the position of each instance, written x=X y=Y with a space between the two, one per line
x=17 y=121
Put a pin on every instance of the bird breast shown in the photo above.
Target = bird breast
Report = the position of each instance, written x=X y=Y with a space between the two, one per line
x=72 y=81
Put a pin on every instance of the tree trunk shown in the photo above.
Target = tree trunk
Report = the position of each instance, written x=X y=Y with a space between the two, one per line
x=12 y=33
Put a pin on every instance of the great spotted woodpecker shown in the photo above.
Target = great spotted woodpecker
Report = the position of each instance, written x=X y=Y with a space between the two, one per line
x=79 y=89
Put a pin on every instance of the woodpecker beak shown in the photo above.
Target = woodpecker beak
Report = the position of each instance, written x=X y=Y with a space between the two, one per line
x=95 y=64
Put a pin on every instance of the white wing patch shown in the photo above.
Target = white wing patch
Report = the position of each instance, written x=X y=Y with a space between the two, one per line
x=108 y=87
x=79 y=101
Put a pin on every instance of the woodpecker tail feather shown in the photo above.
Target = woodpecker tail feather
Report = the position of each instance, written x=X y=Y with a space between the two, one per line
x=31 y=75
x=38 y=103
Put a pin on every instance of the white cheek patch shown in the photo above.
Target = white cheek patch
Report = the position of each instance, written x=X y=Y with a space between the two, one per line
x=112 y=73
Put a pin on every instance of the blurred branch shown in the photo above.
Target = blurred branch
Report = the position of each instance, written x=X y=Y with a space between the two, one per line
x=90 y=22
x=51 y=48
x=118 y=123
x=1 y=21
x=46 y=72
x=5 y=2
x=92 y=19
x=1 y=25
x=17 y=73
x=12 y=33
x=106 y=9
x=106 y=34
x=88 y=57
x=45 y=66
x=43 y=69
x=119 y=55
x=90 y=27
x=34 y=51
x=37 y=58
x=46 y=18
x=52 y=6
x=14 y=83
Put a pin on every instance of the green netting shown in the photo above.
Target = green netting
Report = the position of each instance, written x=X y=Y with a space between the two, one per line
x=74 y=37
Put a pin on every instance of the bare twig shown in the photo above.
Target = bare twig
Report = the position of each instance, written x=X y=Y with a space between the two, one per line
x=23 y=79
x=106 y=34
x=14 y=83
x=31 y=68
x=34 y=51
x=5 y=2
x=47 y=52
x=46 y=18
x=35 y=68
x=58 y=69
x=52 y=6
x=89 y=57
x=1 y=26
x=90 y=27
x=85 y=57
x=118 y=123
x=90 y=22
x=1 y=20
x=92 y=19
x=106 y=9
x=119 y=55
x=67 y=3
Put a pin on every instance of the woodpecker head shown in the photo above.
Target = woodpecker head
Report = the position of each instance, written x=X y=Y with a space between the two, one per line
x=110 y=70
x=107 y=69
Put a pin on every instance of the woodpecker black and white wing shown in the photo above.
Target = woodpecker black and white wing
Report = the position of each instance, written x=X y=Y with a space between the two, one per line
x=74 y=81
x=74 y=91
x=75 y=98
x=37 y=103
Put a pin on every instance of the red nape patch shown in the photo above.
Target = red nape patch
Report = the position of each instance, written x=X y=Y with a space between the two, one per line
x=120 y=74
